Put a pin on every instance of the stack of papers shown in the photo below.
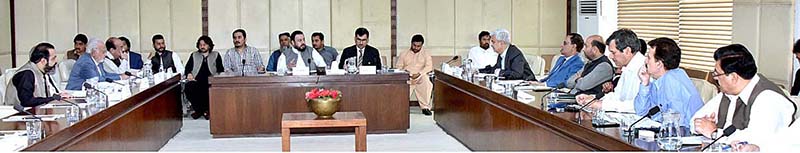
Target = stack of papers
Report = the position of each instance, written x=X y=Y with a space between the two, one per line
x=12 y=141
x=6 y=111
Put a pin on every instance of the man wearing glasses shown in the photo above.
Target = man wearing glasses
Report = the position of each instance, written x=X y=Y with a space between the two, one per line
x=747 y=100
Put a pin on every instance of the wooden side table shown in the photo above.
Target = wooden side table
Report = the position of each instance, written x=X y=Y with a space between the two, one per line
x=310 y=120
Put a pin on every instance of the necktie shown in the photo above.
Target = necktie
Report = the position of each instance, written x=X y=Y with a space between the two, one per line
x=100 y=70
x=500 y=62
x=360 y=57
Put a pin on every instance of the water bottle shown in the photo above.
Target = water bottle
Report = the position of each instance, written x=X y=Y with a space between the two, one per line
x=34 y=129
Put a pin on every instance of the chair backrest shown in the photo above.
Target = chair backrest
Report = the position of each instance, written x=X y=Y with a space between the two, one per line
x=537 y=64
x=64 y=69
x=705 y=88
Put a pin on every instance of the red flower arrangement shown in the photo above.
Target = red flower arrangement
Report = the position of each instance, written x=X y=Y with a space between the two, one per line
x=319 y=93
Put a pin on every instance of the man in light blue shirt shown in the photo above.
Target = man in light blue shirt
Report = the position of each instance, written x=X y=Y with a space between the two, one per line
x=568 y=64
x=671 y=88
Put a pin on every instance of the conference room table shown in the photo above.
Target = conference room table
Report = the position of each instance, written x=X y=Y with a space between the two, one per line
x=143 y=121
x=486 y=120
x=251 y=105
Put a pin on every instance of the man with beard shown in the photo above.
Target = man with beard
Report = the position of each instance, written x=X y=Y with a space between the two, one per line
x=31 y=84
x=242 y=58
x=134 y=59
x=79 y=42
x=483 y=55
x=285 y=43
x=301 y=55
x=164 y=59
x=417 y=62
x=203 y=63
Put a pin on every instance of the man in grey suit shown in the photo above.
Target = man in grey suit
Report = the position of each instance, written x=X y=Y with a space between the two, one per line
x=510 y=62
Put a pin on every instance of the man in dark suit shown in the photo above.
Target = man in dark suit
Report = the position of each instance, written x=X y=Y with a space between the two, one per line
x=134 y=58
x=364 y=54
x=510 y=62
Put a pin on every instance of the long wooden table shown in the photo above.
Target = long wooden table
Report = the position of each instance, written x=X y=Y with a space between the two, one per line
x=243 y=106
x=143 y=122
x=484 y=120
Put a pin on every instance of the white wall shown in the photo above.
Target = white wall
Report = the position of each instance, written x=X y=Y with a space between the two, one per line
x=766 y=28
x=5 y=36
x=57 y=21
x=450 y=26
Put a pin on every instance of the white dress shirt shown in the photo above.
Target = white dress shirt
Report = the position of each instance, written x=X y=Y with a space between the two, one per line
x=772 y=113
x=113 y=68
x=621 y=100
x=503 y=58
x=318 y=60
x=482 y=57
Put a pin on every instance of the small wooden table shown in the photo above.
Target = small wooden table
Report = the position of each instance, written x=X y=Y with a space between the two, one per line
x=310 y=120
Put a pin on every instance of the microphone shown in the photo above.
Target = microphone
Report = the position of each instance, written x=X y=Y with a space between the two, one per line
x=451 y=60
x=243 y=61
x=109 y=80
x=727 y=132
x=544 y=96
x=651 y=112
x=131 y=74
x=587 y=104
x=20 y=109
x=88 y=86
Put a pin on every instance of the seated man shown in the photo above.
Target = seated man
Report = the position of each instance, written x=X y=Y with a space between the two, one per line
x=134 y=59
x=163 y=58
x=755 y=106
x=242 y=58
x=31 y=84
x=624 y=47
x=596 y=72
x=483 y=55
x=91 y=66
x=203 y=63
x=327 y=52
x=285 y=44
x=671 y=88
x=566 y=65
x=79 y=42
x=300 y=56
x=418 y=63
x=115 y=62
x=510 y=62
x=363 y=53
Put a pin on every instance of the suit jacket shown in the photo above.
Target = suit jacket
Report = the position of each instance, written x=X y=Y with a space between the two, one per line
x=85 y=69
x=563 y=70
x=517 y=67
x=136 y=60
x=371 y=56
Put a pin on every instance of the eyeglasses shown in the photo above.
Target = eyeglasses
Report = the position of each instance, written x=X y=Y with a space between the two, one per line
x=716 y=74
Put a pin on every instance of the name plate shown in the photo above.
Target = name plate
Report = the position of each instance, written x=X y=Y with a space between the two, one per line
x=300 y=71
x=367 y=70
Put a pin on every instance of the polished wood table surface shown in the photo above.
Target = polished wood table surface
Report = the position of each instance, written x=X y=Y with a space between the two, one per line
x=244 y=106
x=309 y=120
x=143 y=122
x=484 y=120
